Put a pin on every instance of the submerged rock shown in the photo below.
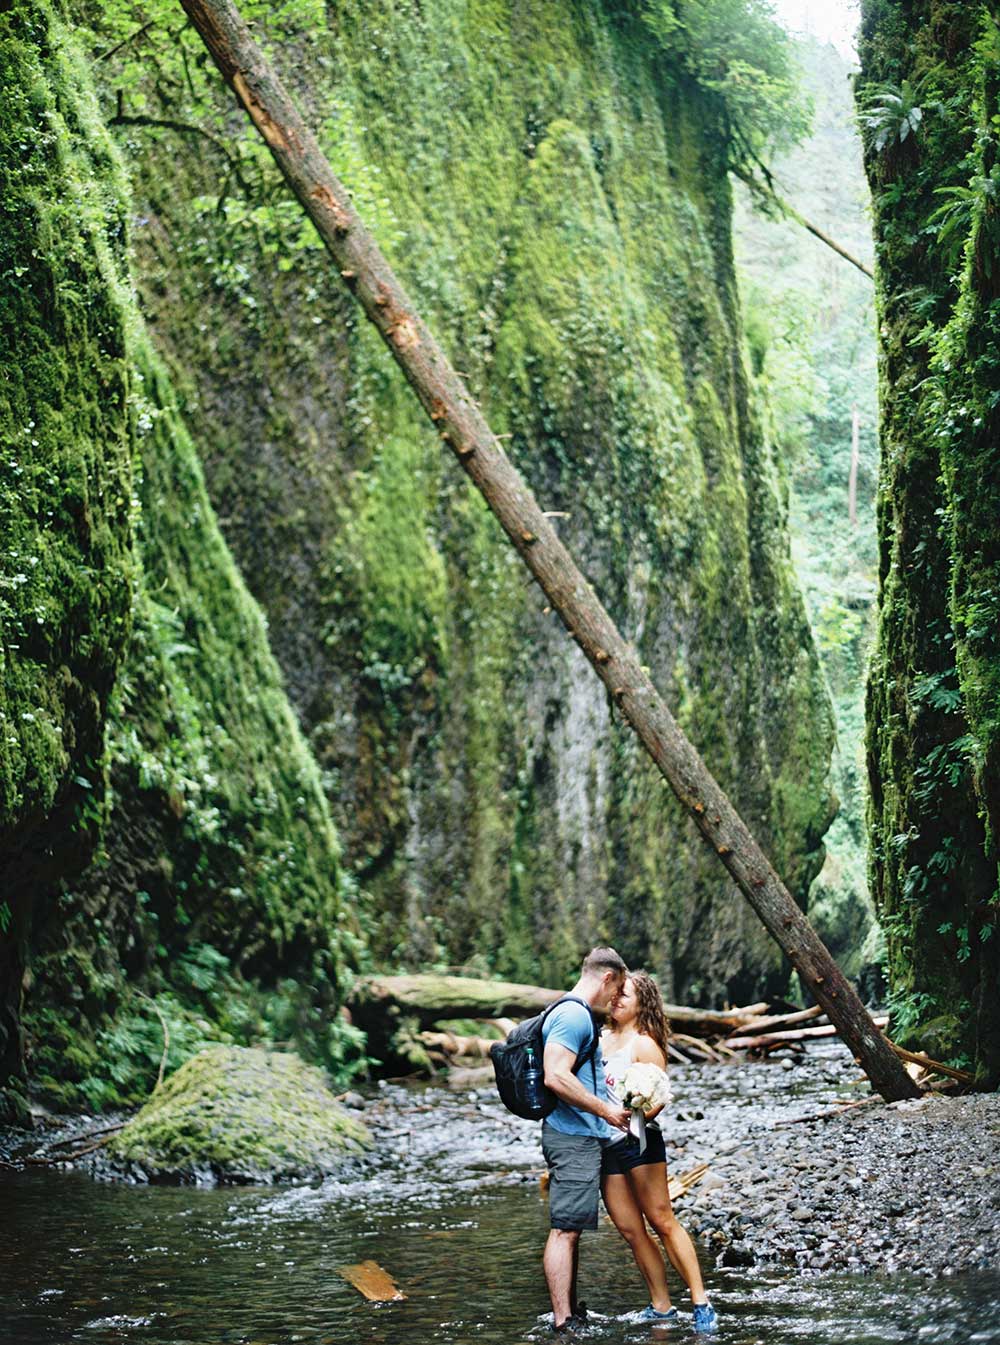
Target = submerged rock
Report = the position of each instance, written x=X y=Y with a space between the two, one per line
x=232 y=1114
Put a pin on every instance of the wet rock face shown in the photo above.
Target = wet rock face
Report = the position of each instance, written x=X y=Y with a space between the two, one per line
x=494 y=810
x=236 y=1115
x=935 y=673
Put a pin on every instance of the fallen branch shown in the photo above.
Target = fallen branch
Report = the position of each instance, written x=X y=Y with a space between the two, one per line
x=166 y=1039
x=825 y=1115
x=696 y=1045
x=53 y=1160
x=934 y=1066
x=451 y=1044
x=680 y=1184
x=122 y=118
x=767 y=190
x=124 y=42
x=793 y=1034
x=711 y=1022
x=780 y=1020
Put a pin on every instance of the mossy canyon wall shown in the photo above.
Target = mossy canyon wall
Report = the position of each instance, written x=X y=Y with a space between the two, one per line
x=553 y=190
x=934 y=692
x=158 y=800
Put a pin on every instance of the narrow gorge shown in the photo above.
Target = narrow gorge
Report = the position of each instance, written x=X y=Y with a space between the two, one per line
x=557 y=199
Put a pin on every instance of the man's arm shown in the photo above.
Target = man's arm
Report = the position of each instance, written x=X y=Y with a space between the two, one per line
x=558 y=1062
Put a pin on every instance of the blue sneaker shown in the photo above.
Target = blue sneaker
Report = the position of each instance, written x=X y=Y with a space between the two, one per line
x=650 y=1314
x=705 y=1318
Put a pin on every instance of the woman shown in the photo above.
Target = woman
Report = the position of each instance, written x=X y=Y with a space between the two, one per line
x=634 y=1184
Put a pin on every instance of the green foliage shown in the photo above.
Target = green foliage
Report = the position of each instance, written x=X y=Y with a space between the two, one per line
x=744 y=60
x=891 y=114
x=196 y=1000
x=962 y=207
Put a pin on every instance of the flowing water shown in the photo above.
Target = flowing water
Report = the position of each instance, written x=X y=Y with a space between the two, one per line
x=450 y=1205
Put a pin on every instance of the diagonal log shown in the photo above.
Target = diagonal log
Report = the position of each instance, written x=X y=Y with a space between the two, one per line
x=462 y=428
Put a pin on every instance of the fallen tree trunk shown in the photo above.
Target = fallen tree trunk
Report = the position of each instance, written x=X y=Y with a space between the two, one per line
x=773 y=1022
x=395 y=1010
x=793 y=1034
x=399 y=1012
x=462 y=428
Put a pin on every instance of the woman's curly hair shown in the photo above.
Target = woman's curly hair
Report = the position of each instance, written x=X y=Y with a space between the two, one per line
x=650 y=1017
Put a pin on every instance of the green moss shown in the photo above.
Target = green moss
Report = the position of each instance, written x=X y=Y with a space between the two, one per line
x=932 y=737
x=239 y=1115
x=554 y=195
x=66 y=505
x=142 y=709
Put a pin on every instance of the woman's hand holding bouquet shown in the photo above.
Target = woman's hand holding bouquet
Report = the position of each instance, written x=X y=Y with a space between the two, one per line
x=644 y=1088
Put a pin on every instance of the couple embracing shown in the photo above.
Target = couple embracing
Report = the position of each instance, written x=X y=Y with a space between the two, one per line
x=590 y=1148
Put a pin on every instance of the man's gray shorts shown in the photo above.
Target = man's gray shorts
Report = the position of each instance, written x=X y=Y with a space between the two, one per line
x=575 y=1164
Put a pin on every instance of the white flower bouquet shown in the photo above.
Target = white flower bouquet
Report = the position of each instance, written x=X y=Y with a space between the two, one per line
x=644 y=1087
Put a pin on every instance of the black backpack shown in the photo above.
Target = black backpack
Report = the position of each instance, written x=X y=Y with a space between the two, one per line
x=510 y=1062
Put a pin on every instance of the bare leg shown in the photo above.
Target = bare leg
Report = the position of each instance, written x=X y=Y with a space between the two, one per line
x=561 y=1251
x=627 y=1216
x=649 y=1187
x=573 y=1304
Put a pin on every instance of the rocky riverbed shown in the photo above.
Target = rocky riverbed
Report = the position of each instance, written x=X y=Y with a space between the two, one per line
x=913 y=1186
x=792 y=1220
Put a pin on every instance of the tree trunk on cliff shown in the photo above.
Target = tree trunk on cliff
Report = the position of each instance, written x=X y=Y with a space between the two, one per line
x=462 y=428
x=852 y=475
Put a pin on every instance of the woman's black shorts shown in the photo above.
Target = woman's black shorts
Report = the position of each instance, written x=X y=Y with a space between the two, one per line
x=617 y=1159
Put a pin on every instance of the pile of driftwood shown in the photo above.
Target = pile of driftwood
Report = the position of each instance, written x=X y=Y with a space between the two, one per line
x=406 y=1019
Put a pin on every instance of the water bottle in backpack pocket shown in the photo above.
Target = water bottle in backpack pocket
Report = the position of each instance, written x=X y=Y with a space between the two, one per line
x=518 y=1066
x=533 y=1085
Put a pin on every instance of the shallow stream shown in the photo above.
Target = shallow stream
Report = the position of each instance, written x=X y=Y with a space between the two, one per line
x=450 y=1206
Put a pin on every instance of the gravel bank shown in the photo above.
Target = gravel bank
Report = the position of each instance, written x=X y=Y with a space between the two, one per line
x=913 y=1186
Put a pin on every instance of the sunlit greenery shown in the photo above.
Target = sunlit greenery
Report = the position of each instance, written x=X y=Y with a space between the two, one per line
x=811 y=331
x=737 y=52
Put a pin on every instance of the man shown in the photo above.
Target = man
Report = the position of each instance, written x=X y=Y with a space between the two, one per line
x=574 y=1133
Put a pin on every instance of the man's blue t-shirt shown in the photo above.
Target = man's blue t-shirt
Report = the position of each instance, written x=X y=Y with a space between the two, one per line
x=571 y=1025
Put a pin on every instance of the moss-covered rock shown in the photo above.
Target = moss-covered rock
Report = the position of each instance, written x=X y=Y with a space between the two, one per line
x=232 y=1114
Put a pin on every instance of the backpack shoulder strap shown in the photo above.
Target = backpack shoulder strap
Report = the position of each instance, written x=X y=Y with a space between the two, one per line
x=590 y=1052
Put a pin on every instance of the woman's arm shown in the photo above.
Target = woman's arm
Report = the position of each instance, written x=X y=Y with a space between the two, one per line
x=648 y=1053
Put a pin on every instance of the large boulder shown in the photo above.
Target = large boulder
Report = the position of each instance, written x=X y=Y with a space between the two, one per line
x=232 y=1114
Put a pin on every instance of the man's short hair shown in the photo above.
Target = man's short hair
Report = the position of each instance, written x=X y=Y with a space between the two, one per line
x=599 y=961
